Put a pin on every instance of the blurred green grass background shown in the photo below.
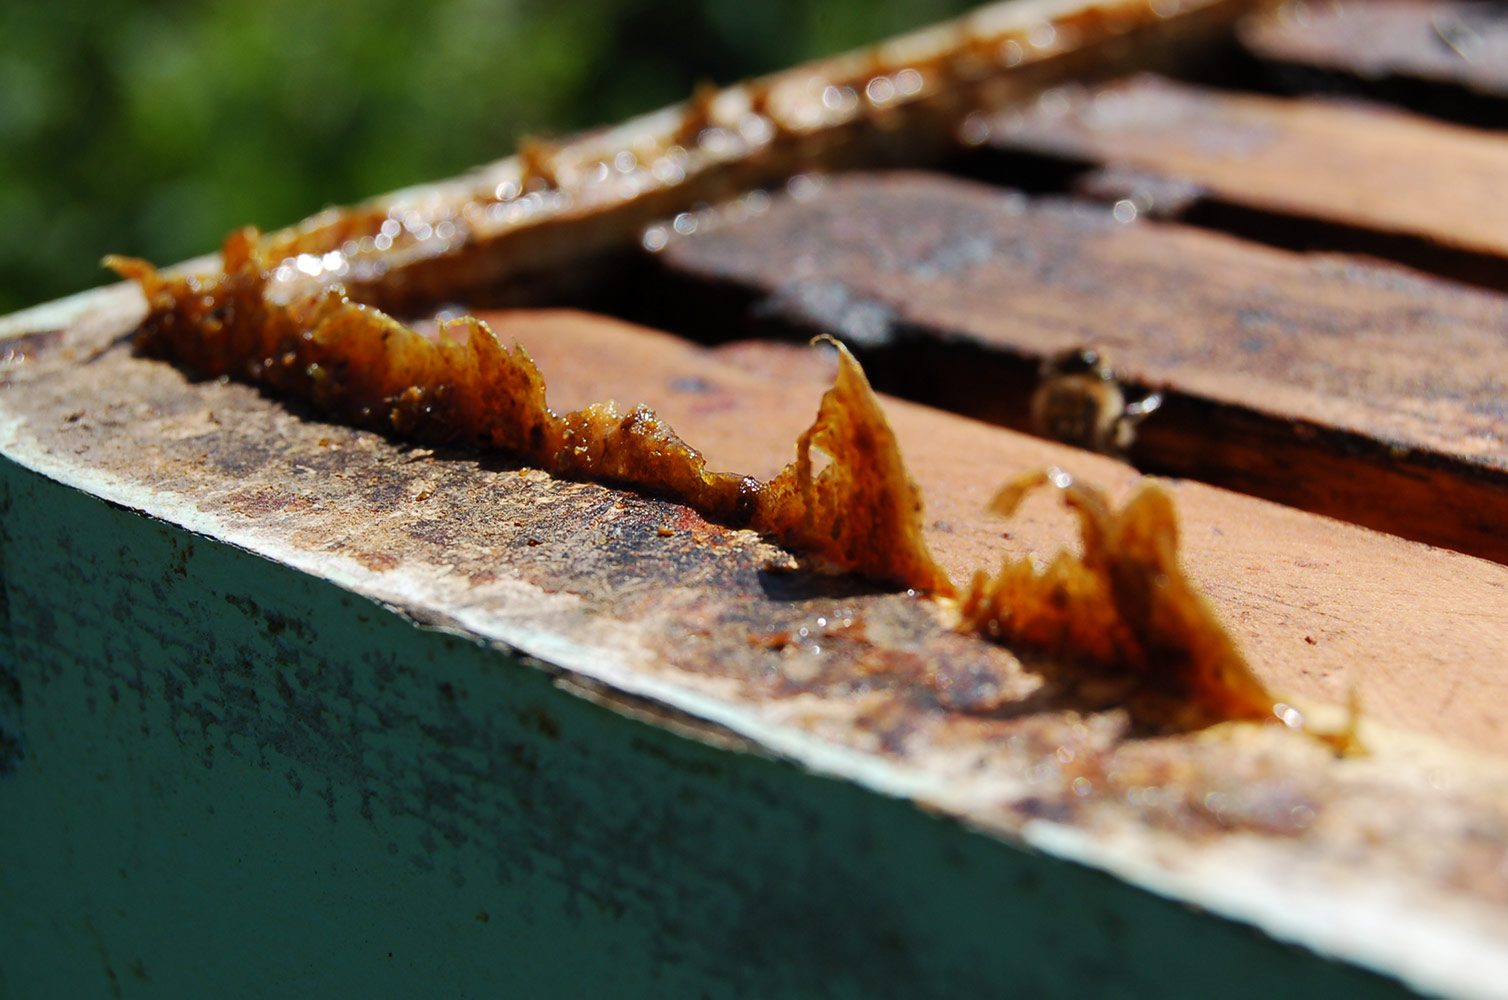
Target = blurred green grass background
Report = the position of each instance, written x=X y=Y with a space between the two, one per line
x=153 y=128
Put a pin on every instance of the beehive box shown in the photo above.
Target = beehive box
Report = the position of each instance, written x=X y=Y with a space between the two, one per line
x=291 y=705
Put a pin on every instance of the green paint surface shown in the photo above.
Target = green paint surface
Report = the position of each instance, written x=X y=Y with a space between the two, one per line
x=222 y=777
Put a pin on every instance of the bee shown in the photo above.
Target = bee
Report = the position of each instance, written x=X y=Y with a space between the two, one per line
x=1080 y=402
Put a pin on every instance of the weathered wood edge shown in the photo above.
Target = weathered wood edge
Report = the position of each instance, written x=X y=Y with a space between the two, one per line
x=392 y=786
x=1438 y=952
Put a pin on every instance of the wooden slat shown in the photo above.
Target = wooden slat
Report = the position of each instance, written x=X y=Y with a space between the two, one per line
x=1320 y=605
x=694 y=626
x=1361 y=392
x=1355 y=167
x=1382 y=42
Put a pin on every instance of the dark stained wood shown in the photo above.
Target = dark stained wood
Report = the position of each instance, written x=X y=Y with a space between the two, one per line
x=1450 y=59
x=1362 y=392
x=1353 y=168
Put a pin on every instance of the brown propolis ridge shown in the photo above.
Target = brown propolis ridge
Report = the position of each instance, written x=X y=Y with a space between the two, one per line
x=860 y=513
x=863 y=510
x=1123 y=607
x=1124 y=611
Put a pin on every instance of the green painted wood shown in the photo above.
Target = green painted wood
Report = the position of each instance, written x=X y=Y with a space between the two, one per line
x=223 y=777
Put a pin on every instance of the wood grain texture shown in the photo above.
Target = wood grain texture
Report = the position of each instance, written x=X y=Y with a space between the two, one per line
x=1366 y=168
x=1463 y=44
x=1363 y=392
